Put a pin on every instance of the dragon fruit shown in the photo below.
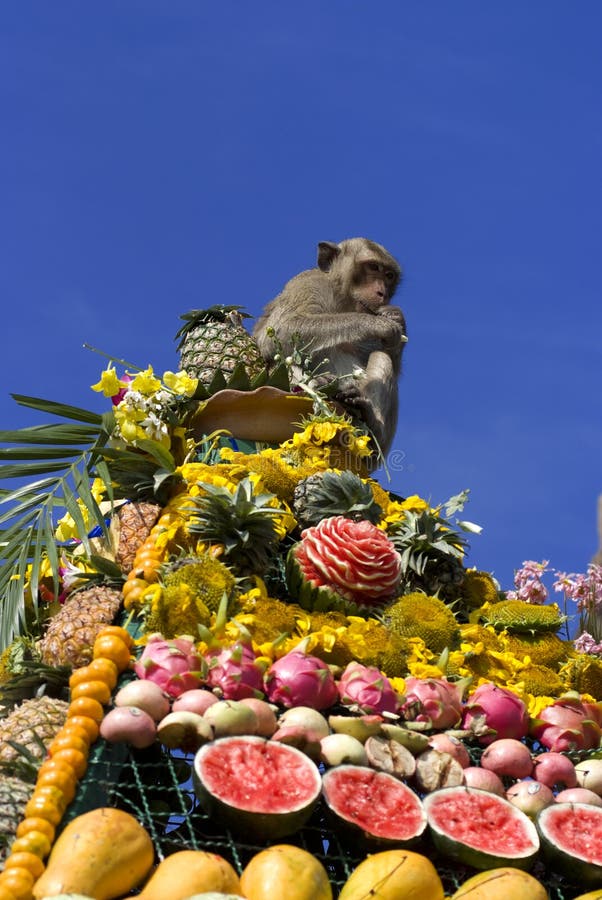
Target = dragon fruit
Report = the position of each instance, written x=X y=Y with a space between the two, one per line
x=175 y=665
x=566 y=725
x=234 y=672
x=367 y=690
x=494 y=712
x=298 y=679
x=433 y=700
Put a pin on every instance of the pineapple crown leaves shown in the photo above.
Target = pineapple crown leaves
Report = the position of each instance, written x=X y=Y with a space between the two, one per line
x=243 y=522
x=419 y=537
x=337 y=493
x=216 y=313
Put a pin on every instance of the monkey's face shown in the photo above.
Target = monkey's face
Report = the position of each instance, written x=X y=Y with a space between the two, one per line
x=373 y=285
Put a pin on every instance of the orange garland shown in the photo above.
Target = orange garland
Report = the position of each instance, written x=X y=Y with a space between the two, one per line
x=66 y=762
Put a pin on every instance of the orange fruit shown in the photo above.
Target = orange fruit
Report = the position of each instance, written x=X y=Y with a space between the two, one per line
x=79 y=675
x=134 y=584
x=33 y=842
x=77 y=730
x=83 y=724
x=98 y=690
x=104 y=670
x=19 y=881
x=86 y=706
x=147 y=571
x=25 y=860
x=74 y=758
x=6 y=893
x=35 y=823
x=69 y=740
x=112 y=647
x=62 y=778
x=53 y=794
x=117 y=631
x=40 y=806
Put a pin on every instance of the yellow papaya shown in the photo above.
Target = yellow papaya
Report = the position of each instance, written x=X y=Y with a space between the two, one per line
x=103 y=853
x=285 y=871
x=394 y=875
x=189 y=872
x=500 y=884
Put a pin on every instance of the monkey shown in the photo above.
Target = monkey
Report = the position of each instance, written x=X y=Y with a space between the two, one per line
x=340 y=310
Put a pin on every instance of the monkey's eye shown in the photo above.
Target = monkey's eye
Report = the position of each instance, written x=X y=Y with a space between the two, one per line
x=389 y=275
x=372 y=267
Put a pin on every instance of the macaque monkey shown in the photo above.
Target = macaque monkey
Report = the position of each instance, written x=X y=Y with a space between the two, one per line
x=340 y=312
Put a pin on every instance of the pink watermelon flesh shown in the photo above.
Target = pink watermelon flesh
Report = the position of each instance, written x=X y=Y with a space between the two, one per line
x=480 y=821
x=377 y=803
x=258 y=776
x=577 y=831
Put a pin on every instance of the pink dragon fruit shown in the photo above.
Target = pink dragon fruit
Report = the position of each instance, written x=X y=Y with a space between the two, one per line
x=494 y=712
x=566 y=725
x=234 y=672
x=175 y=665
x=433 y=700
x=367 y=690
x=298 y=679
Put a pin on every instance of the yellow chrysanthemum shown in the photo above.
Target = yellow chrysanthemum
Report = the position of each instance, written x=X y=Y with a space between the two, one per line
x=109 y=384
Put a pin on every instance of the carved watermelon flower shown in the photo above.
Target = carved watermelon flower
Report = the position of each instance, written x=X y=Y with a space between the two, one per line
x=340 y=561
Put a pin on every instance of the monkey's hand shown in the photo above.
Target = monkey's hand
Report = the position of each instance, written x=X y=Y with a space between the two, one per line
x=395 y=334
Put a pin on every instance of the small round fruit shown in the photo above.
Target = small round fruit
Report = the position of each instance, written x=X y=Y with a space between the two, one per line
x=98 y=690
x=117 y=631
x=85 y=723
x=74 y=758
x=68 y=740
x=24 y=860
x=62 y=779
x=86 y=706
x=129 y=724
x=105 y=670
x=19 y=881
x=32 y=842
x=112 y=647
x=35 y=823
x=507 y=756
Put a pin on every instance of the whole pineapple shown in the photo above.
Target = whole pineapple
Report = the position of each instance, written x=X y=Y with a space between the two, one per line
x=71 y=632
x=14 y=795
x=32 y=724
x=334 y=494
x=215 y=340
x=132 y=525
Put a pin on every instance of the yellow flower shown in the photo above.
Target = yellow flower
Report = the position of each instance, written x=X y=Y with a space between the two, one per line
x=146 y=383
x=424 y=670
x=536 y=705
x=109 y=383
x=414 y=503
x=180 y=383
x=398 y=685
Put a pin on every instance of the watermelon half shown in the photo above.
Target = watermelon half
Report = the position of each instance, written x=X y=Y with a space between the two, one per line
x=571 y=840
x=480 y=829
x=260 y=788
x=374 y=805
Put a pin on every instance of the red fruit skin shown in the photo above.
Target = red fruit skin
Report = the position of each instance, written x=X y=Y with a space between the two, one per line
x=555 y=770
x=500 y=709
x=508 y=757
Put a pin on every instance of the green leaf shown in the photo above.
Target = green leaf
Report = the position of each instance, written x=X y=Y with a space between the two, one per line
x=59 y=409
x=30 y=453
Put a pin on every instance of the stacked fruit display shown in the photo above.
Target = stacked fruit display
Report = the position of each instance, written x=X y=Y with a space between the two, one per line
x=316 y=647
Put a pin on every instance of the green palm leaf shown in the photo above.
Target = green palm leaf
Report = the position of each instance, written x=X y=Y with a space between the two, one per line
x=70 y=456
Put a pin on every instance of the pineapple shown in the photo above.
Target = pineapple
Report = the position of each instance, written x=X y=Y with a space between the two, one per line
x=14 y=795
x=33 y=724
x=71 y=632
x=242 y=522
x=214 y=340
x=334 y=494
x=132 y=524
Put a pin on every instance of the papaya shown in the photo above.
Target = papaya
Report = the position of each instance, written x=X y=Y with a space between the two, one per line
x=394 y=875
x=285 y=871
x=188 y=872
x=104 y=853
x=501 y=883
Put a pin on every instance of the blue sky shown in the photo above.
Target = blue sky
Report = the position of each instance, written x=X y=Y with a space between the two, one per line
x=162 y=156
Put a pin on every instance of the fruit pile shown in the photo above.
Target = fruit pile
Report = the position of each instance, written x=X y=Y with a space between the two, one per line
x=315 y=647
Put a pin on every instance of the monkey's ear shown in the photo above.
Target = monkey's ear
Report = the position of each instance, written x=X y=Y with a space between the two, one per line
x=327 y=253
